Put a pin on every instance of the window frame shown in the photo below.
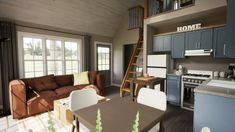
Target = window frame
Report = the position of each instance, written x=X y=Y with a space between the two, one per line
x=21 y=59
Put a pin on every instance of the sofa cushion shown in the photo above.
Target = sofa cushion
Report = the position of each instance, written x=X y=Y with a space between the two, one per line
x=92 y=76
x=65 y=91
x=64 y=80
x=45 y=83
x=81 y=78
x=41 y=102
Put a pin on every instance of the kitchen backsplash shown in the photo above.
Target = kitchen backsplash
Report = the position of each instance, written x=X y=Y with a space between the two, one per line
x=204 y=63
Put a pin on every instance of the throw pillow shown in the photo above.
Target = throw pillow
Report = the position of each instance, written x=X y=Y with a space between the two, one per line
x=81 y=78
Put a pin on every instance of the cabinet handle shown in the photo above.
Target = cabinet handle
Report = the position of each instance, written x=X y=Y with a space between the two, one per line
x=224 y=49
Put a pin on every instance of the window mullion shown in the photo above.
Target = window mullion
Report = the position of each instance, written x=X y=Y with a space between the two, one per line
x=63 y=57
x=44 y=56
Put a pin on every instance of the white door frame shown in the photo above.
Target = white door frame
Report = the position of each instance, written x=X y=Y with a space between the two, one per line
x=111 y=54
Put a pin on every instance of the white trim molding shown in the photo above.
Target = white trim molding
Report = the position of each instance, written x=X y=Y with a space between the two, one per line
x=95 y=59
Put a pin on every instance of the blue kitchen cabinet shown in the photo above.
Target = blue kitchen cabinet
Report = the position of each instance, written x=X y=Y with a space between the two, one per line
x=220 y=42
x=173 y=89
x=214 y=112
x=230 y=47
x=167 y=42
x=162 y=43
x=158 y=44
x=178 y=45
x=201 y=39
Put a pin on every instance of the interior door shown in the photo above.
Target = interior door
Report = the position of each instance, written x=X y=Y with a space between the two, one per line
x=128 y=50
x=103 y=61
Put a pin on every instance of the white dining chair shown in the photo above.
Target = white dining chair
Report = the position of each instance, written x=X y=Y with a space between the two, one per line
x=152 y=98
x=206 y=129
x=81 y=99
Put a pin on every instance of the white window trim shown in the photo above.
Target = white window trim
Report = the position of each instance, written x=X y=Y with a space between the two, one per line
x=111 y=57
x=20 y=36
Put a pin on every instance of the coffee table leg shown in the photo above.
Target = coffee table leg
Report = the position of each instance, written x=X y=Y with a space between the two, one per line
x=77 y=124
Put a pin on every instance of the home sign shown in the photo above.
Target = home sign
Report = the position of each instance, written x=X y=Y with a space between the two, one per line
x=189 y=27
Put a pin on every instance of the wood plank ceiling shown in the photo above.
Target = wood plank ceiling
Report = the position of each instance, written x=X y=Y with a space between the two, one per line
x=101 y=17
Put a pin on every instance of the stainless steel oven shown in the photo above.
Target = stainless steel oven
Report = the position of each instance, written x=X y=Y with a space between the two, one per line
x=188 y=86
x=188 y=96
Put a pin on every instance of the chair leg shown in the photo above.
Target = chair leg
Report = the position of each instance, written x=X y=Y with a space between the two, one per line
x=161 y=127
x=73 y=128
x=77 y=125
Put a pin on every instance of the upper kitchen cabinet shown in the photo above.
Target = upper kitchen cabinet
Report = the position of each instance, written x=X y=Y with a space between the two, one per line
x=201 y=39
x=220 y=42
x=162 y=43
x=178 y=45
x=230 y=47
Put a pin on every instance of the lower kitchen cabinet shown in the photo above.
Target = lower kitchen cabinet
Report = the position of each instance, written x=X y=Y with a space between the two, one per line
x=173 y=89
x=214 y=112
x=178 y=45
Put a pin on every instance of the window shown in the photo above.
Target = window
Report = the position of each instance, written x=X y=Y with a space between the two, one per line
x=33 y=58
x=103 y=58
x=43 y=55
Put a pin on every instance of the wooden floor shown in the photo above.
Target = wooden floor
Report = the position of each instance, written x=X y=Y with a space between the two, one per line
x=176 y=119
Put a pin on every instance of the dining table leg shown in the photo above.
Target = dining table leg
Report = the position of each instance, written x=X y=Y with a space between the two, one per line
x=132 y=91
x=161 y=127
x=162 y=86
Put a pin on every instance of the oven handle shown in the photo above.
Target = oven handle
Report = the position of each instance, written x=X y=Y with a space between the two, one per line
x=190 y=85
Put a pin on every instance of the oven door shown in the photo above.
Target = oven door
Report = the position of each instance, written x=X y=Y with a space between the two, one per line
x=188 y=95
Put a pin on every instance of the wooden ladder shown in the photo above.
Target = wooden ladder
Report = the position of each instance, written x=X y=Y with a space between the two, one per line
x=135 y=67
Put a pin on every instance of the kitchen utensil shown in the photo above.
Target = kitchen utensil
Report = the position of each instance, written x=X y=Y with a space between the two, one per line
x=216 y=74
x=222 y=74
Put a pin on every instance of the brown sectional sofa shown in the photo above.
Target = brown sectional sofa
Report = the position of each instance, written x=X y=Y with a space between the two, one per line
x=36 y=95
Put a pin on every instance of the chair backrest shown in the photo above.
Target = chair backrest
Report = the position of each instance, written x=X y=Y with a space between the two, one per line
x=206 y=129
x=152 y=98
x=82 y=98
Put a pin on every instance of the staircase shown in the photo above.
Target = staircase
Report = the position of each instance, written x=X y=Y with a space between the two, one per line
x=135 y=67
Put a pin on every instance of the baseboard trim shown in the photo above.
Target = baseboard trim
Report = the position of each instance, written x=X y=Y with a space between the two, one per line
x=116 y=85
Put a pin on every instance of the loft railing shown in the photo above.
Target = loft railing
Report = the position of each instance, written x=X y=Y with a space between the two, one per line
x=156 y=7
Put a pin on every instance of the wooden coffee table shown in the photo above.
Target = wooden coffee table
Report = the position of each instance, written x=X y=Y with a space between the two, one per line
x=63 y=113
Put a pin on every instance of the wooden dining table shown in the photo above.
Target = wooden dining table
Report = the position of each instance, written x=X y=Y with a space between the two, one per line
x=118 y=115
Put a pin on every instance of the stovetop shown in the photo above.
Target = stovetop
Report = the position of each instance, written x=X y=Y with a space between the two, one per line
x=197 y=75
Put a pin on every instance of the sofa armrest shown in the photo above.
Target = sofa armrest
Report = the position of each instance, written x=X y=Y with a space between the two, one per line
x=18 y=101
x=100 y=82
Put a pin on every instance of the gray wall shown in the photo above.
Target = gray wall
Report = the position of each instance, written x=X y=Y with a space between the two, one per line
x=123 y=36
x=204 y=63
x=92 y=53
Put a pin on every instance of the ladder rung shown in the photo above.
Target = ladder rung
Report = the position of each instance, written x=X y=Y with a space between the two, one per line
x=135 y=64
x=140 y=48
x=126 y=89
x=137 y=56
x=128 y=79
x=133 y=72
